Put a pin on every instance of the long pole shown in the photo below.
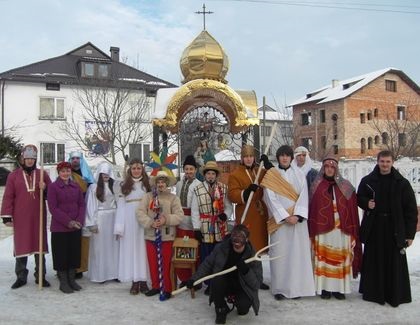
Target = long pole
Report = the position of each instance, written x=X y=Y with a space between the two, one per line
x=248 y=202
x=41 y=221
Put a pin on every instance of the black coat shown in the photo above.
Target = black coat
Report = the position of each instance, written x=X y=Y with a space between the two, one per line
x=216 y=261
x=403 y=206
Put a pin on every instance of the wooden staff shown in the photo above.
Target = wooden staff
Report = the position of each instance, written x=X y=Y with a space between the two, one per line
x=248 y=202
x=256 y=257
x=41 y=221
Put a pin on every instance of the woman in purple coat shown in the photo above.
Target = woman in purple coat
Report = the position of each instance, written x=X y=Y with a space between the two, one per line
x=67 y=207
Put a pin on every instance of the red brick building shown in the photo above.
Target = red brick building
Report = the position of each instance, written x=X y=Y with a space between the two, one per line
x=358 y=117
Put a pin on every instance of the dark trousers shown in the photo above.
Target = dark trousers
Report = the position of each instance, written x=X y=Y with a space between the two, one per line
x=66 y=250
x=21 y=270
x=224 y=286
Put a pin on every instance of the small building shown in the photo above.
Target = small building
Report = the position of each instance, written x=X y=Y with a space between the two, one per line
x=39 y=99
x=358 y=117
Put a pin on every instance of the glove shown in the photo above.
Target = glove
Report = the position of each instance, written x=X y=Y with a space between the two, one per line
x=267 y=163
x=198 y=235
x=243 y=268
x=248 y=190
x=222 y=217
x=189 y=283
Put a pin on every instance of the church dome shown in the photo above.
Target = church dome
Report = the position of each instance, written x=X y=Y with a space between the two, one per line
x=204 y=58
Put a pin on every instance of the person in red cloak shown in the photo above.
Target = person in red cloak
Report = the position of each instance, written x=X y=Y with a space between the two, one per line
x=20 y=210
x=334 y=230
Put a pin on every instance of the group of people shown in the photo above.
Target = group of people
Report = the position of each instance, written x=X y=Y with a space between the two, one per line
x=125 y=230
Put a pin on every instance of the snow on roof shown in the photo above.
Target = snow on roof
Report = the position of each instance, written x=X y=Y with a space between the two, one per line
x=342 y=89
x=132 y=80
x=274 y=116
x=226 y=155
x=157 y=83
x=163 y=97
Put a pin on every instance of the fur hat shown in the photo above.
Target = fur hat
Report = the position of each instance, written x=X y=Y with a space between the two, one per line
x=29 y=152
x=190 y=160
x=170 y=181
x=247 y=150
x=211 y=165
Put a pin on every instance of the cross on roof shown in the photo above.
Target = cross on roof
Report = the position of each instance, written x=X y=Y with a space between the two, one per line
x=204 y=12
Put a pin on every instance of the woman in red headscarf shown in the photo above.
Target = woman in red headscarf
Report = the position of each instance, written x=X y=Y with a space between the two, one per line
x=334 y=231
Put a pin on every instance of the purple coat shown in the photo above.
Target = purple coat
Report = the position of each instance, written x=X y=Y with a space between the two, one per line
x=66 y=203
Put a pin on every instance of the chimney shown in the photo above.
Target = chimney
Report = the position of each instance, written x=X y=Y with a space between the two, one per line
x=335 y=83
x=115 y=53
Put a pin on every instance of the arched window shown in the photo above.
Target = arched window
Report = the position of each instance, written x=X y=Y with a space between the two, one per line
x=385 y=138
x=377 y=140
x=369 y=115
x=375 y=112
x=370 y=143
x=363 y=145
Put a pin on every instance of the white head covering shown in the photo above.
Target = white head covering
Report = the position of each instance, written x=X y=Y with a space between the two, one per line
x=104 y=167
x=308 y=161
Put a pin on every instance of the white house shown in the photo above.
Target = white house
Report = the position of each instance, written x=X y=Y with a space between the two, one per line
x=39 y=99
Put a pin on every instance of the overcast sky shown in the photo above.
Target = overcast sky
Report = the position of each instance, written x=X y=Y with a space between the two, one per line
x=280 y=51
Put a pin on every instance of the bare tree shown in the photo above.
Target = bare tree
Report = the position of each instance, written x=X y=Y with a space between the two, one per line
x=108 y=120
x=399 y=130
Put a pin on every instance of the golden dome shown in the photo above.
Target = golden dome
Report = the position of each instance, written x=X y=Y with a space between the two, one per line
x=204 y=58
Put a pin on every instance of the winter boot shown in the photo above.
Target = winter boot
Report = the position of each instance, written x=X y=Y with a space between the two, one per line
x=221 y=313
x=143 y=287
x=72 y=282
x=135 y=288
x=64 y=282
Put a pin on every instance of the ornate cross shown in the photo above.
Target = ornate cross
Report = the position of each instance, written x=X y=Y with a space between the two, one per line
x=204 y=12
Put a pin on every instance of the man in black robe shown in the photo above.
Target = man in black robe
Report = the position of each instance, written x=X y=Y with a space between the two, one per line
x=388 y=227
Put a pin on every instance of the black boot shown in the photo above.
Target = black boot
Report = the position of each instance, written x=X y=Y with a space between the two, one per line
x=221 y=313
x=72 y=282
x=45 y=283
x=64 y=282
x=18 y=283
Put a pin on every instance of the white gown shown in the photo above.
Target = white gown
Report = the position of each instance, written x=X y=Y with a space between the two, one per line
x=103 y=247
x=133 y=264
x=291 y=274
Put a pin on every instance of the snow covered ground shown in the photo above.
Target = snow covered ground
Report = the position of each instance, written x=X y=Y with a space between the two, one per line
x=110 y=303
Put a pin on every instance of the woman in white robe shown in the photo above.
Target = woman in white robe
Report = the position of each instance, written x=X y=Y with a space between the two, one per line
x=100 y=218
x=291 y=274
x=133 y=264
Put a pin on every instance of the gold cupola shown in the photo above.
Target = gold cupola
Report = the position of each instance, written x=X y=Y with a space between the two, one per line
x=204 y=58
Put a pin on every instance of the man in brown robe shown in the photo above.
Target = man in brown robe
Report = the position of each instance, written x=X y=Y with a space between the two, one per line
x=240 y=186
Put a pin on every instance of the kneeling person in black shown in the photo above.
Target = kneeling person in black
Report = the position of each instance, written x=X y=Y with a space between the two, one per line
x=240 y=286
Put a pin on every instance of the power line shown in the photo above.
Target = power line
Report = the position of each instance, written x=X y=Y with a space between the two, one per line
x=335 y=5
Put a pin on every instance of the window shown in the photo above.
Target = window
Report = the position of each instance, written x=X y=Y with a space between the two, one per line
x=322 y=116
x=362 y=145
x=334 y=119
x=307 y=143
x=265 y=131
x=377 y=140
x=88 y=69
x=103 y=71
x=402 y=139
x=323 y=142
x=369 y=115
x=385 y=138
x=306 y=118
x=140 y=150
x=335 y=149
x=370 y=143
x=391 y=85
x=401 y=113
x=362 y=118
x=52 y=86
x=51 y=108
x=52 y=152
x=375 y=112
